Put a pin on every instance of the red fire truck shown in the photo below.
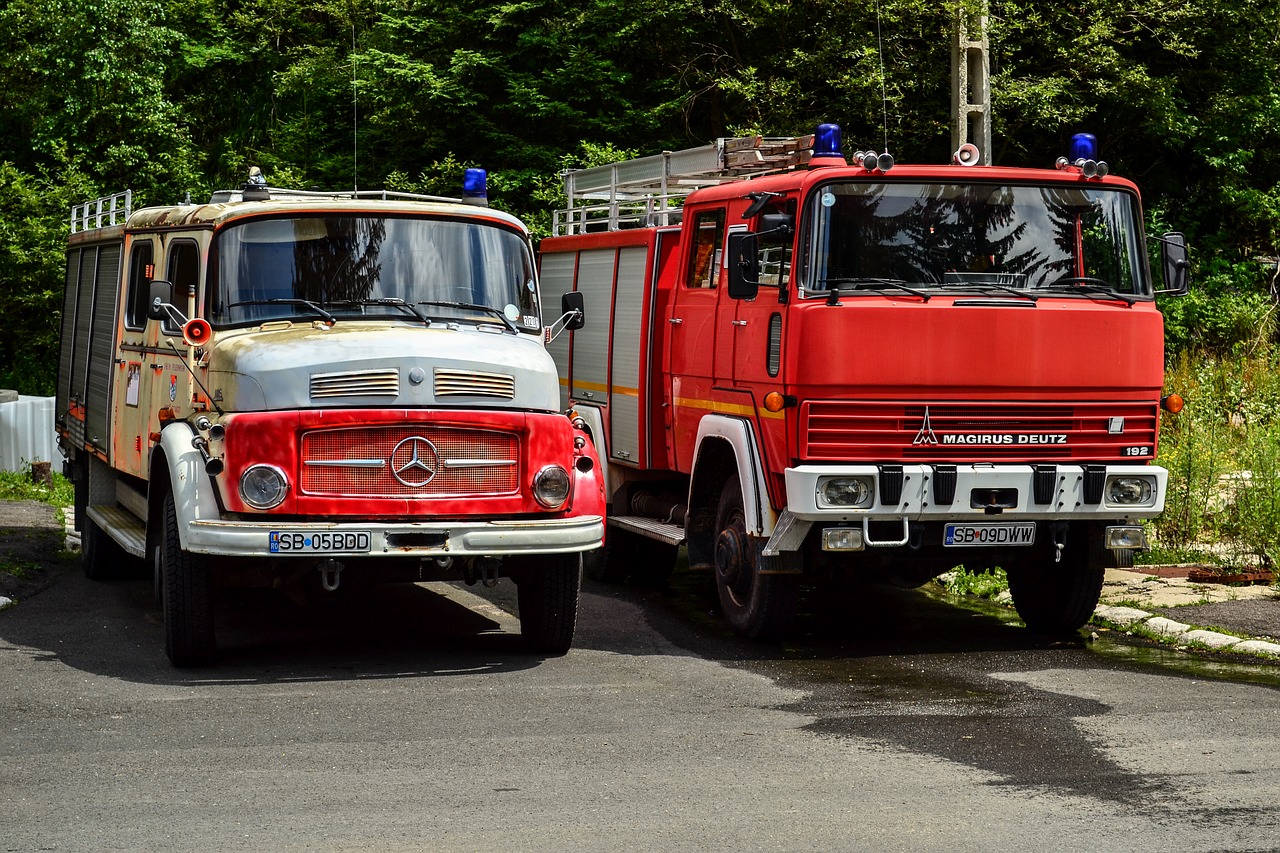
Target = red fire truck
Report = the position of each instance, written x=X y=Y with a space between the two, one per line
x=797 y=363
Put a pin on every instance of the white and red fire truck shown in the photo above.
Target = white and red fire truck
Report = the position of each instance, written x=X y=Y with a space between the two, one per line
x=798 y=363
x=313 y=390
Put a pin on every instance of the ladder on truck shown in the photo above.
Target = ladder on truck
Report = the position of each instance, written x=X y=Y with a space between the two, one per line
x=648 y=191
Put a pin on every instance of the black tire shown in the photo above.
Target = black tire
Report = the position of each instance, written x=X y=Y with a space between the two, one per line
x=757 y=604
x=186 y=597
x=101 y=558
x=547 y=596
x=1058 y=597
x=629 y=555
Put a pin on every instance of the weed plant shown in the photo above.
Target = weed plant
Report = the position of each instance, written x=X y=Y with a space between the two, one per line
x=18 y=486
x=1223 y=456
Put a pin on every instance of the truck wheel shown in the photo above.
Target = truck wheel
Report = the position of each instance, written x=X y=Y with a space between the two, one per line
x=1059 y=597
x=547 y=596
x=186 y=597
x=758 y=606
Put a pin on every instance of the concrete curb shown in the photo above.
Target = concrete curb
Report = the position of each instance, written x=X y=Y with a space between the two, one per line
x=1167 y=630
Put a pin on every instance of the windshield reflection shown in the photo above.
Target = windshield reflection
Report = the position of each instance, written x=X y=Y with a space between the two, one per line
x=348 y=266
x=974 y=236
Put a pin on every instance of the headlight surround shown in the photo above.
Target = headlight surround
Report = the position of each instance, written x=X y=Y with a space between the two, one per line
x=1131 y=490
x=846 y=492
x=263 y=486
x=551 y=486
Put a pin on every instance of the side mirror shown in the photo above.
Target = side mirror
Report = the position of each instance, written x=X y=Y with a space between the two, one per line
x=1177 y=266
x=571 y=307
x=744 y=266
x=160 y=295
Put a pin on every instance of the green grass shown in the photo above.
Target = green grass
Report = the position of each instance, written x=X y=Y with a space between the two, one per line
x=18 y=486
x=985 y=584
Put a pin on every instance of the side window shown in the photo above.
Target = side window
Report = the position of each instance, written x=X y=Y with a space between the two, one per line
x=142 y=268
x=183 y=271
x=705 y=256
x=774 y=254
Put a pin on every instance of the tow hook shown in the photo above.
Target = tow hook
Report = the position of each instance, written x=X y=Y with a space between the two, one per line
x=485 y=570
x=330 y=574
x=1059 y=541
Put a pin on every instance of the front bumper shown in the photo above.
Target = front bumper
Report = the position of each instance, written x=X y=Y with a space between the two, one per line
x=406 y=539
x=972 y=493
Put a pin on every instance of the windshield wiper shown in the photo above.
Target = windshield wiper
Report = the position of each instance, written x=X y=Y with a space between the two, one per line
x=328 y=318
x=506 y=321
x=989 y=286
x=1094 y=288
x=388 y=300
x=869 y=284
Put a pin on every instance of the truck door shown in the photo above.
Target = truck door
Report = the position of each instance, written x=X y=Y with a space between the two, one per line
x=692 y=327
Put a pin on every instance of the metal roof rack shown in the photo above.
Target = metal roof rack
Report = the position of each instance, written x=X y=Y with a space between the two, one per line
x=113 y=209
x=223 y=196
x=648 y=191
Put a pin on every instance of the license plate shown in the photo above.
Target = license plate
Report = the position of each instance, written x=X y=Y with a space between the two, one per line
x=319 y=542
x=986 y=535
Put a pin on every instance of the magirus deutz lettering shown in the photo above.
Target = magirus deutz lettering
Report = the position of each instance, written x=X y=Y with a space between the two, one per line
x=1004 y=438
x=802 y=361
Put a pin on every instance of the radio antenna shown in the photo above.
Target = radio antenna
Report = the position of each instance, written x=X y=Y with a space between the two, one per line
x=884 y=97
x=355 y=119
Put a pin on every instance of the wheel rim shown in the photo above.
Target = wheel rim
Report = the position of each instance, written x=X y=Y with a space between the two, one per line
x=734 y=569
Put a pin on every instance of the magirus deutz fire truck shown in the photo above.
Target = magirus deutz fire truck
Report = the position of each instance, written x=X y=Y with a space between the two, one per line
x=316 y=391
x=797 y=363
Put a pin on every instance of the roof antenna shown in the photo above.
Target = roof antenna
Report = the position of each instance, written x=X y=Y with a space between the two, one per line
x=884 y=97
x=355 y=120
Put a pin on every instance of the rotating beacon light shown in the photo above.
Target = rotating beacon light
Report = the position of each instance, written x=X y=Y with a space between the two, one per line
x=826 y=147
x=475 y=187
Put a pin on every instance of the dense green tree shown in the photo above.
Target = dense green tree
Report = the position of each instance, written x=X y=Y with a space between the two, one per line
x=174 y=96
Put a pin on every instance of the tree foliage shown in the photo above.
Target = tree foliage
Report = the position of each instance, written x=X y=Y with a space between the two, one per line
x=169 y=97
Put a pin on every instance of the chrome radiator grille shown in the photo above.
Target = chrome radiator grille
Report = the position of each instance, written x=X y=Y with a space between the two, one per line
x=409 y=461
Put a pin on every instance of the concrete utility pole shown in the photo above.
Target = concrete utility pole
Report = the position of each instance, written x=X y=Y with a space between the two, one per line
x=970 y=83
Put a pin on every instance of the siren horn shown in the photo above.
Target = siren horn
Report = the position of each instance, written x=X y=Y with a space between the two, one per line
x=966 y=155
x=196 y=331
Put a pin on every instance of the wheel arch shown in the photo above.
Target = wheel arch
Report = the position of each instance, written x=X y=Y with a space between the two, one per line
x=725 y=446
x=178 y=467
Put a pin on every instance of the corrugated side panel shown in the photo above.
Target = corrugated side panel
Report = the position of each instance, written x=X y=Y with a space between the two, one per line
x=102 y=345
x=26 y=433
x=624 y=391
x=67 y=350
x=556 y=280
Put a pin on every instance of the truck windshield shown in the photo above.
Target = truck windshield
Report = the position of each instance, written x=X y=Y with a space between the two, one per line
x=988 y=238
x=340 y=267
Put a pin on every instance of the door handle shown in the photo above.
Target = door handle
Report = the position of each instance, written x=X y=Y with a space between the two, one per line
x=739 y=322
x=675 y=321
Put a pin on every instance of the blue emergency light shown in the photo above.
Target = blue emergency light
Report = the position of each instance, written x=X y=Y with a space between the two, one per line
x=1084 y=146
x=475 y=187
x=826 y=141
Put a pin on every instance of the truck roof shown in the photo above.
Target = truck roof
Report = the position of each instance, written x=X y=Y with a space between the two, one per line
x=227 y=205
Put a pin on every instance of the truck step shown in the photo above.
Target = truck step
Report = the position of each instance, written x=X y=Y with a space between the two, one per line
x=672 y=534
x=121 y=525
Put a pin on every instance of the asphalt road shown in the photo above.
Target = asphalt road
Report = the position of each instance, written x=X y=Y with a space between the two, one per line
x=414 y=720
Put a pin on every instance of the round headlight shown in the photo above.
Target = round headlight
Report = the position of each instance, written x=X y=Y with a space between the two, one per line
x=551 y=486
x=1129 y=490
x=263 y=486
x=845 y=491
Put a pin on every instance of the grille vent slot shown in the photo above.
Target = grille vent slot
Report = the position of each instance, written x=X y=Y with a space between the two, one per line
x=356 y=383
x=472 y=383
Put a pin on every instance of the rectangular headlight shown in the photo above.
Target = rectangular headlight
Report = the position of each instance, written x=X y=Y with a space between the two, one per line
x=846 y=492
x=1131 y=490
